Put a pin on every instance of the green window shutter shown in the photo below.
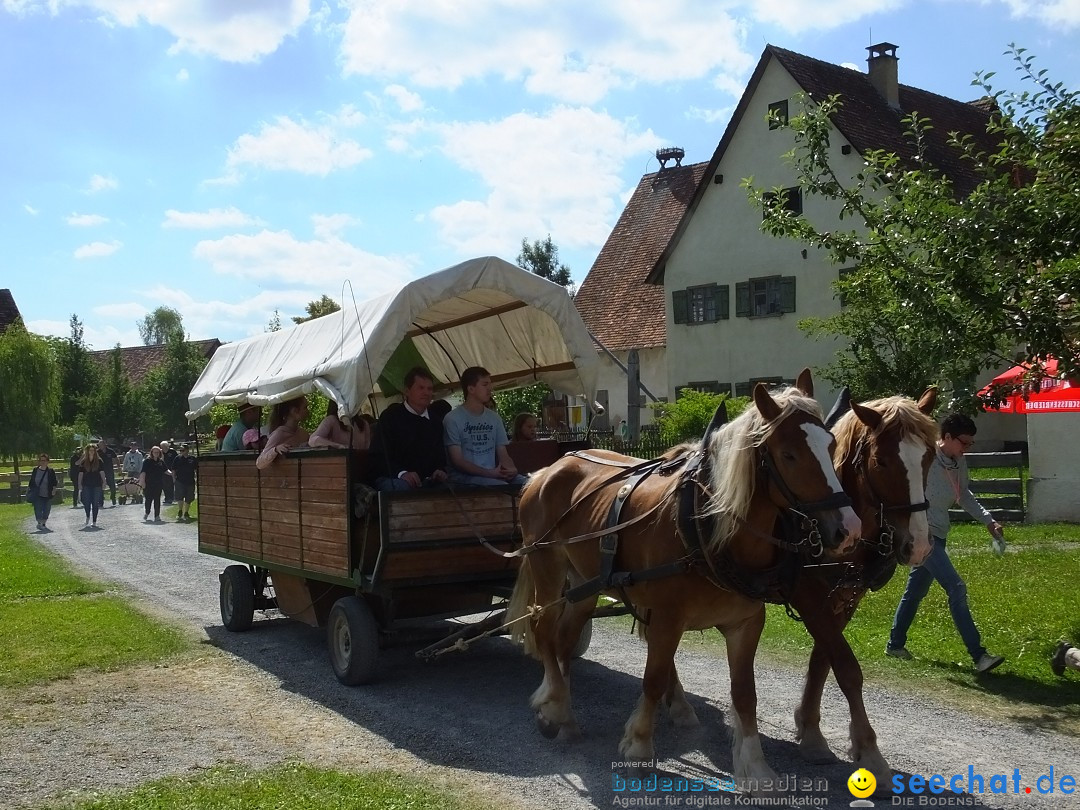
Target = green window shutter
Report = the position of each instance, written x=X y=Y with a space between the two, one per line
x=712 y=301
x=679 y=305
x=723 y=311
x=742 y=299
x=787 y=294
x=742 y=389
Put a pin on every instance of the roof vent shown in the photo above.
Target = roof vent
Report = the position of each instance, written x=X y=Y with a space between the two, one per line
x=676 y=153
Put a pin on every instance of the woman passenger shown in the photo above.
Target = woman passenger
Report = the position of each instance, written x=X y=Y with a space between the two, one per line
x=524 y=428
x=332 y=433
x=285 y=431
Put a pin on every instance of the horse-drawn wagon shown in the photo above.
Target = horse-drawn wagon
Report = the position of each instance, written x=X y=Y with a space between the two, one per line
x=306 y=537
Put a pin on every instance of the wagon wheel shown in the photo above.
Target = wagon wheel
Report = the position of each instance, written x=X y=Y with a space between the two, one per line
x=353 y=638
x=583 y=642
x=237 y=597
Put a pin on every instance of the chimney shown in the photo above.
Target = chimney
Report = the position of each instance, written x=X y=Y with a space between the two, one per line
x=881 y=67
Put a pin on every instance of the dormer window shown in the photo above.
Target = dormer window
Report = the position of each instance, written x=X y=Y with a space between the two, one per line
x=778 y=114
x=790 y=200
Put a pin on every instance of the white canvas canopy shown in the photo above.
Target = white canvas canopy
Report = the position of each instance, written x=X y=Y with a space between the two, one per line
x=486 y=312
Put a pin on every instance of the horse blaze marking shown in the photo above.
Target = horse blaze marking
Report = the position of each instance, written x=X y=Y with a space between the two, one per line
x=911 y=453
x=819 y=439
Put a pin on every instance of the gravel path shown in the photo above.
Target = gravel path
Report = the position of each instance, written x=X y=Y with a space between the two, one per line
x=269 y=695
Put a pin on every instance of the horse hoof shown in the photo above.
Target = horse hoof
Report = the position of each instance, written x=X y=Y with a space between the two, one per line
x=547 y=728
x=818 y=756
x=570 y=733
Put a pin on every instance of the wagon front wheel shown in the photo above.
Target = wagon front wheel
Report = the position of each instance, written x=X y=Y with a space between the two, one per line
x=353 y=638
x=583 y=642
x=237 y=597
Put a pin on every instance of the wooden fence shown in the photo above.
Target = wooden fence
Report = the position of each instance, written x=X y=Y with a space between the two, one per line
x=1002 y=496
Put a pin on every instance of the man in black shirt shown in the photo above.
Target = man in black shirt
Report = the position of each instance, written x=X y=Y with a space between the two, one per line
x=108 y=464
x=169 y=455
x=407 y=451
x=184 y=467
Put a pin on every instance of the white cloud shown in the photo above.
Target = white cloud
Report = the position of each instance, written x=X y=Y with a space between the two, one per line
x=86 y=220
x=99 y=182
x=125 y=310
x=709 y=116
x=214 y=218
x=558 y=173
x=407 y=101
x=561 y=48
x=796 y=16
x=288 y=145
x=1053 y=13
x=330 y=225
x=95 y=250
x=278 y=257
x=231 y=31
x=30 y=209
x=182 y=75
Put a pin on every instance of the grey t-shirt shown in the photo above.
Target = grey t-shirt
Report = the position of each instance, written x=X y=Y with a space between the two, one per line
x=476 y=434
x=947 y=483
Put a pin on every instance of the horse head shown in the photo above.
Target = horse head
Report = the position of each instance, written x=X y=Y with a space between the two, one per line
x=778 y=452
x=883 y=453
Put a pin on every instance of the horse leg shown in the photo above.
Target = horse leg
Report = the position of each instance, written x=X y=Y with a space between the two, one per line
x=864 y=752
x=749 y=768
x=551 y=700
x=574 y=617
x=812 y=744
x=663 y=641
x=680 y=711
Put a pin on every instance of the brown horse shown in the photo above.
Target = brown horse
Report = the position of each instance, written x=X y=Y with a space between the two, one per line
x=883 y=452
x=773 y=457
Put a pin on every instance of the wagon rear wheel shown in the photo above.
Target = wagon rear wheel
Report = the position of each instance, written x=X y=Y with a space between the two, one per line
x=237 y=597
x=353 y=638
x=583 y=642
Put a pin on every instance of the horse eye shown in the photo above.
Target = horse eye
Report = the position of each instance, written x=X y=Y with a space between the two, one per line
x=788 y=455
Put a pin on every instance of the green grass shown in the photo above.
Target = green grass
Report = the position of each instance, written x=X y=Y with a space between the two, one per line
x=294 y=786
x=56 y=622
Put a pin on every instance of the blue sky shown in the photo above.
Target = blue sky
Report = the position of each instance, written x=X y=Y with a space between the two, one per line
x=232 y=157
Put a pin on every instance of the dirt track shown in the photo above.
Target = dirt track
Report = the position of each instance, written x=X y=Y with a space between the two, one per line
x=269 y=695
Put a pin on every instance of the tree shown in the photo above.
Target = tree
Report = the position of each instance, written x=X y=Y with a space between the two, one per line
x=78 y=374
x=945 y=286
x=156 y=327
x=28 y=396
x=113 y=409
x=525 y=399
x=275 y=322
x=689 y=415
x=168 y=385
x=316 y=309
x=542 y=259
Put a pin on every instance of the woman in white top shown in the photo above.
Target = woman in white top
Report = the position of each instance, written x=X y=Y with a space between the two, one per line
x=332 y=433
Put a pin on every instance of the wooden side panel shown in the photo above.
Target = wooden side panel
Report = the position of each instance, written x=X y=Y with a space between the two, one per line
x=294 y=513
x=448 y=518
x=448 y=561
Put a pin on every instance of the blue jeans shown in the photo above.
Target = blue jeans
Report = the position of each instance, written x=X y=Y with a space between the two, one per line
x=938 y=567
x=42 y=507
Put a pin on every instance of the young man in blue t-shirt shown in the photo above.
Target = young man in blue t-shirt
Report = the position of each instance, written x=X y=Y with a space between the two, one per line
x=475 y=437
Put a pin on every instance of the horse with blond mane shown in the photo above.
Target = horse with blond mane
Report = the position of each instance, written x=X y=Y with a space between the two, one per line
x=773 y=459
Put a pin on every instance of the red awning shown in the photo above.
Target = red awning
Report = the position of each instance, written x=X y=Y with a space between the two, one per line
x=1023 y=390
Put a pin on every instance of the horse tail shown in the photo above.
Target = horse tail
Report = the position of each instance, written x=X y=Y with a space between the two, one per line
x=520 y=601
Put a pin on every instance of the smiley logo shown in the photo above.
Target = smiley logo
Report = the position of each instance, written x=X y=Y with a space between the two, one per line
x=861 y=783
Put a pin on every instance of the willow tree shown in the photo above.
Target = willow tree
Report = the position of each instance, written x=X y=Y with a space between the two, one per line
x=28 y=396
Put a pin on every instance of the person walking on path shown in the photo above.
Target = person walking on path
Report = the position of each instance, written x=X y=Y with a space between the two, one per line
x=169 y=455
x=184 y=469
x=73 y=476
x=108 y=465
x=132 y=461
x=43 y=484
x=91 y=483
x=946 y=484
x=152 y=478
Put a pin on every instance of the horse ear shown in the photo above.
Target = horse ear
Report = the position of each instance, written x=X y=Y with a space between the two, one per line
x=805 y=383
x=928 y=401
x=839 y=408
x=766 y=405
x=868 y=416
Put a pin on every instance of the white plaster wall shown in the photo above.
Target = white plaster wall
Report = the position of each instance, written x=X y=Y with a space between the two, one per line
x=724 y=244
x=1054 y=485
x=652 y=365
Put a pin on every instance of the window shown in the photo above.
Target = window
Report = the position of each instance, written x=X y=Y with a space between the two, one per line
x=707 y=303
x=791 y=200
x=765 y=297
x=778 y=114
x=745 y=389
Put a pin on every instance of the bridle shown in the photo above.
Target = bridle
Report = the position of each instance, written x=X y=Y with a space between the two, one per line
x=886 y=536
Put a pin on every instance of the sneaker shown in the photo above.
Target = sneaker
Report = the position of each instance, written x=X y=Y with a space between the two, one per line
x=1057 y=663
x=988 y=662
x=899 y=652
x=87 y=523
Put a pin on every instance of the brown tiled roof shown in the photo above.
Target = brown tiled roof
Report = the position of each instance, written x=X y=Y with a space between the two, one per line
x=618 y=307
x=866 y=120
x=9 y=313
x=869 y=123
x=138 y=360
